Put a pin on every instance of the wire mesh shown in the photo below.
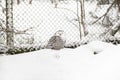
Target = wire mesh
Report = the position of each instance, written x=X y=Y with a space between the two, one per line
x=37 y=21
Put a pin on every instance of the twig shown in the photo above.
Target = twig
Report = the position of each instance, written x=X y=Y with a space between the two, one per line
x=78 y=19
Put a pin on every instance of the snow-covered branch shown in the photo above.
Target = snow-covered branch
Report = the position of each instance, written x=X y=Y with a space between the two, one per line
x=23 y=31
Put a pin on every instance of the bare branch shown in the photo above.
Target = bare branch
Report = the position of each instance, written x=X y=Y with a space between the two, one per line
x=22 y=32
x=16 y=31
x=103 y=16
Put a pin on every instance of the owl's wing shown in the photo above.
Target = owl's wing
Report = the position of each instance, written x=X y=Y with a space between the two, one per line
x=51 y=41
x=59 y=44
x=55 y=42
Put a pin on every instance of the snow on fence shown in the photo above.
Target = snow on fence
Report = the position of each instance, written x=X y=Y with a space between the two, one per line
x=35 y=21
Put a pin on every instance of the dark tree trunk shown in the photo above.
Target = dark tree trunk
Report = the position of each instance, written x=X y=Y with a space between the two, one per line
x=18 y=1
x=9 y=24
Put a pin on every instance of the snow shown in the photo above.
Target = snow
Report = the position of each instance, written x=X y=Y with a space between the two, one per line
x=64 y=64
x=99 y=46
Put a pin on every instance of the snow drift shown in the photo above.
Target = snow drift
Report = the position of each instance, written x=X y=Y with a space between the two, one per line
x=65 y=64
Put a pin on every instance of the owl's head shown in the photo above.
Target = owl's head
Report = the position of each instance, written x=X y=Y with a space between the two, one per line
x=59 y=33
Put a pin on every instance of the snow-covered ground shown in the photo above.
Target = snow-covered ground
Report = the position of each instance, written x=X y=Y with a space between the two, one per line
x=65 y=64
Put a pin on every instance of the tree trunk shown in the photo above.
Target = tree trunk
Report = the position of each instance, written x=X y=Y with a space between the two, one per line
x=82 y=17
x=79 y=19
x=9 y=24
x=18 y=1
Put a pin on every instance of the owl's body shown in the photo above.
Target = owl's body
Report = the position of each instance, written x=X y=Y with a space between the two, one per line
x=56 y=42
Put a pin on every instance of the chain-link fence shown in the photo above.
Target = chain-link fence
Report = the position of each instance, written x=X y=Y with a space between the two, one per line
x=35 y=21
x=41 y=20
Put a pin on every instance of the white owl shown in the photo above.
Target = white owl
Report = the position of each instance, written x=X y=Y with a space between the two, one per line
x=56 y=41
